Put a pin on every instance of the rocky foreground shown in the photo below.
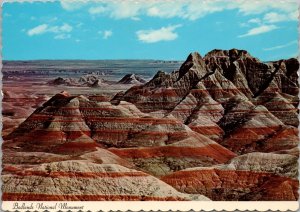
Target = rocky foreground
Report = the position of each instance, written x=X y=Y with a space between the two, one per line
x=222 y=127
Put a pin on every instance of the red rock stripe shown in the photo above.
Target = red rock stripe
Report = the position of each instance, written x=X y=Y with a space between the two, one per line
x=237 y=111
x=260 y=131
x=75 y=147
x=117 y=119
x=53 y=133
x=71 y=133
x=275 y=102
x=140 y=132
x=183 y=109
x=162 y=105
x=173 y=92
x=22 y=98
x=163 y=102
x=207 y=130
x=224 y=173
x=232 y=89
x=161 y=94
x=110 y=197
x=84 y=108
x=217 y=103
x=218 y=89
x=214 y=151
x=199 y=177
x=196 y=173
x=204 y=112
x=204 y=174
x=157 y=105
x=283 y=110
x=61 y=174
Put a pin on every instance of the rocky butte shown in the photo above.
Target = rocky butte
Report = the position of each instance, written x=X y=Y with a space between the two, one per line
x=222 y=127
x=132 y=79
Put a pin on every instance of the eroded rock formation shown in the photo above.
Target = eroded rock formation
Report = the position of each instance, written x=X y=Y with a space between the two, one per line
x=223 y=127
x=132 y=79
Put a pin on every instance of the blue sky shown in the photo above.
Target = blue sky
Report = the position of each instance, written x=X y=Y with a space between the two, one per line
x=142 y=29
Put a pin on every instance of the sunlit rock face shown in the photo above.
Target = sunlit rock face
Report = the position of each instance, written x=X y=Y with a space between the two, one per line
x=253 y=176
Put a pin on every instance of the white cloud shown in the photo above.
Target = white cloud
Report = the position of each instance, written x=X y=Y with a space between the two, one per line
x=53 y=19
x=97 y=10
x=66 y=28
x=281 y=46
x=166 y=10
x=243 y=24
x=62 y=36
x=135 y=18
x=294 y=16
x=259 y=30
x=126 y=9
x=247 y=7
x=162 y=34
x=38 y=30
x=118 y=9
x=107 y=34
x=274 y=17
x=59 y=31
x=254 y=21
x=71 y=5
x=188 y=9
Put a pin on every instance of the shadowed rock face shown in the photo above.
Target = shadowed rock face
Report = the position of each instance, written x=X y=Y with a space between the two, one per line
x=223 y=126
x=230 y=97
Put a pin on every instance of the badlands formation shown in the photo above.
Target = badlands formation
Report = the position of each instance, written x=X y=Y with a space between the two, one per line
x=89 y=80
x=222 y=127
x=132 y=79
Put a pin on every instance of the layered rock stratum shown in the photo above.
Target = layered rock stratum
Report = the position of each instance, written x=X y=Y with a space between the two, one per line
x=222 y=127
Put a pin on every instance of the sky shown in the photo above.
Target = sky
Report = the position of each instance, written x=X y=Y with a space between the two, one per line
x=148 y=29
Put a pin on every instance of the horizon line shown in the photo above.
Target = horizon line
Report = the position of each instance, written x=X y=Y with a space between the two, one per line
x=166 y=60
x=90 y=59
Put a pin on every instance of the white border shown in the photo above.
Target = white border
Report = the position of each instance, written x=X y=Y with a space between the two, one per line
x=157 y=205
